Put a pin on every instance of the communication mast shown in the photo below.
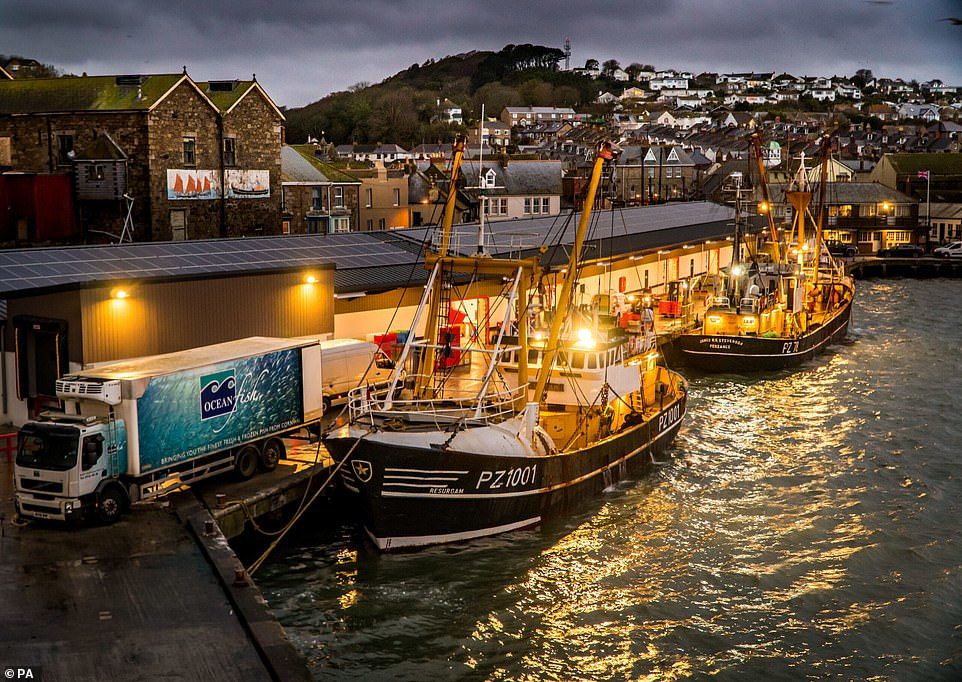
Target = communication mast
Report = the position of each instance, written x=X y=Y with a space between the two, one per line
x=567 y=53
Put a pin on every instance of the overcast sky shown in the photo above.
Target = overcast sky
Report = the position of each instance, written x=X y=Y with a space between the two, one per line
x=302 y=50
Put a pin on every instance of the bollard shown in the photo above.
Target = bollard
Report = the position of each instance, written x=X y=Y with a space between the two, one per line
x=220 y=497
x=240 y=578
x=208 y=527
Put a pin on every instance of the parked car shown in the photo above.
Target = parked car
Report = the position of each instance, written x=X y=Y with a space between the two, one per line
x=902 y=251
x=950 y=250
x=837 y=248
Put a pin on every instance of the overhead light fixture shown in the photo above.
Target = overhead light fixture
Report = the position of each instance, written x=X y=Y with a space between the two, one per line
x=310 y=279
x=120 y=293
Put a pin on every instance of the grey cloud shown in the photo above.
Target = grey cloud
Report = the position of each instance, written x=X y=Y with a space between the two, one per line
x=303 y=50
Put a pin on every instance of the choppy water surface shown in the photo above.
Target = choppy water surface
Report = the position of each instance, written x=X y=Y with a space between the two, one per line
x=807 y=527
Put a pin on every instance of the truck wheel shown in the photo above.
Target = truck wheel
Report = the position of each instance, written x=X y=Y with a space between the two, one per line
x=326 y=404
x=110 y=505
x=245 y=462
x=271 y=454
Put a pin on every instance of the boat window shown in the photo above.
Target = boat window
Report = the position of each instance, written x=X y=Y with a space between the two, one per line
x=611 y=357
x=577 y=360
x=592 y=361
x=532 y=356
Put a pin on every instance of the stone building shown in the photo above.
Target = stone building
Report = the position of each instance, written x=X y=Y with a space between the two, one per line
x=317 y=197
x=183 y=159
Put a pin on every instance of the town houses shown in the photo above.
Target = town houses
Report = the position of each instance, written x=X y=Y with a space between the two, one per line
x=164 y=157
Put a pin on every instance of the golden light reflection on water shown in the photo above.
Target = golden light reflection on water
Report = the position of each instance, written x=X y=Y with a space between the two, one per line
x=756 y=513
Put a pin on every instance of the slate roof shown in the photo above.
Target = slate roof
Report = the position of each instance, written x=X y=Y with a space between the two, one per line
x=517 y=178
x=298 y=164
x=630 y=230
x=852 y=193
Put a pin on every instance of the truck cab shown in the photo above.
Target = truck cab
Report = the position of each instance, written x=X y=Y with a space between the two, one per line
x=68 y=465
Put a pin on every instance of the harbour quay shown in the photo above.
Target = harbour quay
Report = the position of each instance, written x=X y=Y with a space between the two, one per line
x=180 y=583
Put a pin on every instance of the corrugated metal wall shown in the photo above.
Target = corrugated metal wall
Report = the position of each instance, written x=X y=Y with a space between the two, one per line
x=165 y=317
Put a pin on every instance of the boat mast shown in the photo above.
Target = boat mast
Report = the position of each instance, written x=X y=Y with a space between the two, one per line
x=763 y=181
x=604 y=153
x=820 y=207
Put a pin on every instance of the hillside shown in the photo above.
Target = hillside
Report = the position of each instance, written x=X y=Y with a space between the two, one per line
x=403 y=107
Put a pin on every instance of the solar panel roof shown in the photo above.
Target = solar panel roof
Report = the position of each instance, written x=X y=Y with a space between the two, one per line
x=364 y=261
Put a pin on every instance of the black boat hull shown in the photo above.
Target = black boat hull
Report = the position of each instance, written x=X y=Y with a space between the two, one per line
x=413 y=497
x=738 y=354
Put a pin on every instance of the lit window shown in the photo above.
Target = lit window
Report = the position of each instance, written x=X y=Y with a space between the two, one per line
x=338 y=197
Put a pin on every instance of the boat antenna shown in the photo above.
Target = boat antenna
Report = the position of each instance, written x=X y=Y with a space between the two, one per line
x=481 y=182
x=604 y=153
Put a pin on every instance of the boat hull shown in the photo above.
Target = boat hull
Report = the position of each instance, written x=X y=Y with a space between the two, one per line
x=412 y=497
x=738 y=354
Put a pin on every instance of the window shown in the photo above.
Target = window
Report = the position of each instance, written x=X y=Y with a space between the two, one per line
x=489 y=178
x=340 y=224
x=285 y=227
x=230 y=156
x=338 y=197
x=97 y=173
x=487 y=206
x=651 y=173
x=380 y=224
x=545 y=204
x=370 y=225
x=178 y=224
x=369 y=201
x=314 y=225
x=190 y=157
x=536 y=205
x=845 y=210
x=527 y=204
x=316 y=200
x=504 y=207
x=397 y=196
x=65 y=151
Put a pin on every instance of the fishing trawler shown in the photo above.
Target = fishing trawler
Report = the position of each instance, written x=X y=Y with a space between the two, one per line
x=442 y=457
x=780 y=306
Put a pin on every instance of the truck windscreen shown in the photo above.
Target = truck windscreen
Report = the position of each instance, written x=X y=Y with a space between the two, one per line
x=52 y=448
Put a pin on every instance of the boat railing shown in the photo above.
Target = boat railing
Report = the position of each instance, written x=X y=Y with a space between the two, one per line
x=719 y=302
x=455 y=404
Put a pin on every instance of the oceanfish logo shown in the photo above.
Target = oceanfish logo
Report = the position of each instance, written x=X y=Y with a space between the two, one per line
x=218 y=394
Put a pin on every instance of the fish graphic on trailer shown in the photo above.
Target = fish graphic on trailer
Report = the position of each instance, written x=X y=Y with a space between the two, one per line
x=218 y=394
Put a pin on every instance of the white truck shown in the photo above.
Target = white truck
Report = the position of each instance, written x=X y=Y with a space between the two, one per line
x=135 y=429
x=349 y=363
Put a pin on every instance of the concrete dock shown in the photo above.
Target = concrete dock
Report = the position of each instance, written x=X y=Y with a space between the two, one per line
x=159 y=595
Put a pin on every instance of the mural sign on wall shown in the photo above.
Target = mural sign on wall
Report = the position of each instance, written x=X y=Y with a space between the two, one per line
x=192 y=184
x=247 y=184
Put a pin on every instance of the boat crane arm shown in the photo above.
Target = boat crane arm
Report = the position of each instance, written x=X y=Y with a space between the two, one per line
x=428 y=356
x=820 y=207
x=766 y=197
x=604 y=153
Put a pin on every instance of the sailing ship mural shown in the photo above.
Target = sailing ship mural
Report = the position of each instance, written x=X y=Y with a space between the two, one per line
x=192 y=184
x=247 y=184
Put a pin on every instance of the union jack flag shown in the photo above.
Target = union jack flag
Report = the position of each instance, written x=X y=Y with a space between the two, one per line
x=924 y=174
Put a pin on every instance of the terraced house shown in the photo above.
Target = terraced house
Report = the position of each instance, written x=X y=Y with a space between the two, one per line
x=155 y=157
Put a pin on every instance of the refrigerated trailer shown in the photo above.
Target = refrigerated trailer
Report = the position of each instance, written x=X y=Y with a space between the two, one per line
x=135 y=429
